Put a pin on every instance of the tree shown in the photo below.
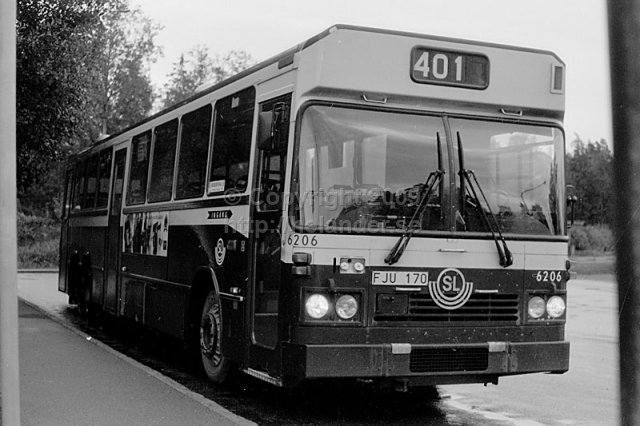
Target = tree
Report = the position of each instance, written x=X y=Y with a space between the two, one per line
x=79 y=64
x=123 y=94
x=589 y=170
x=55 y=48
x=197 y=68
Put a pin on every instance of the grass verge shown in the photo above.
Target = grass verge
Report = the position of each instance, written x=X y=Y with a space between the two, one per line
x=38 y=242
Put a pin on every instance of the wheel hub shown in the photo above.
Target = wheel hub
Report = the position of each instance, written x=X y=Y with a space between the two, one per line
x=208 y=334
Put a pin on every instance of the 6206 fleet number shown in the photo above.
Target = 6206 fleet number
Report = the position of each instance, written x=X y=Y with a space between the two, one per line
x=548 y=276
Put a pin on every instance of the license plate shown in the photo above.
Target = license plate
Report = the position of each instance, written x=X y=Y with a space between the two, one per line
x=399 y=278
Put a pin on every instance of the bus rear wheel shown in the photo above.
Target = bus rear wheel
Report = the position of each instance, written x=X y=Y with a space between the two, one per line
x=215 y=365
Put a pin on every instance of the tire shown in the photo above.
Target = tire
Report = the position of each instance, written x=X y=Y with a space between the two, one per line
x=216 y=366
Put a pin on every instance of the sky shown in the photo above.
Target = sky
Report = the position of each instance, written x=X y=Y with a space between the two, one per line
x=576 y=30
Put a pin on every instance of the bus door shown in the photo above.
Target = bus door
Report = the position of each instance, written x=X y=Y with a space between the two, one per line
x=114 y=237
x=273 y=129
x=64 y=232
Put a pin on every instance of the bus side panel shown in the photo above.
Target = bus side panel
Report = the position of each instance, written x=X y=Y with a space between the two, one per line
x=164 y=308
x=146 y=295
x=222 y=248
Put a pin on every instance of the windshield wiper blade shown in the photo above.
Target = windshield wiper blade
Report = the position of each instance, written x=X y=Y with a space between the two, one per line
x=409 y=230
x=506 y=258
x=433 y=178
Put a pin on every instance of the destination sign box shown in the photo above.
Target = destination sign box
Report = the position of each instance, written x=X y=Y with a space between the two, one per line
x=432 y=66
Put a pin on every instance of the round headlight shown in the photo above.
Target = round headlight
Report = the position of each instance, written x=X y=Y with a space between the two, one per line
x=536 y=307
x=344 y=266
x=358 y=266
x=556 y=306
x=346 y=307
x=317 y=306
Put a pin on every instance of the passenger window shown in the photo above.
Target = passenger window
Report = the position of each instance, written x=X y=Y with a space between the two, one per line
x=79 y=189
x=194 y=146
x=162 y=165
x=89 y=200
x=232 y=142
x=104 y=178
x=137 y=187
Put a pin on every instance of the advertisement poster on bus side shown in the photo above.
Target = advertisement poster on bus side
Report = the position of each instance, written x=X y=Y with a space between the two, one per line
x=146 y=233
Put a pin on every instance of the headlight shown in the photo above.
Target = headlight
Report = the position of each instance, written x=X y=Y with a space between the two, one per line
x=536 y=307
x=317 y=306
x=555 y=306
x=346 y=307
x=358 y=266
x=344 y=266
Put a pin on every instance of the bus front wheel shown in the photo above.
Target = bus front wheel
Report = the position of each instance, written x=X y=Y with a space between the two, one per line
x=215 y=365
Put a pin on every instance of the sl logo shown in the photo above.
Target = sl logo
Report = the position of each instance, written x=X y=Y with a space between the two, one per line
x=450 y=291
x=220 y=251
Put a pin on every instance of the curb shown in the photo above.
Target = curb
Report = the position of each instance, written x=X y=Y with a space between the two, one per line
x=38 y=271
x=212 y=406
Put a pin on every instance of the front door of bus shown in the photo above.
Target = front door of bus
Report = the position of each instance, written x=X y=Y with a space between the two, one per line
x=266 y=228
x=114 y=238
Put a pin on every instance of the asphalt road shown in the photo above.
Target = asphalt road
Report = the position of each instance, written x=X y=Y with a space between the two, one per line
x=586 y=395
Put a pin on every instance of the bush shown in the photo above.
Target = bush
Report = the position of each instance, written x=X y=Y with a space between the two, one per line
x=594 y=239
x=38 y=241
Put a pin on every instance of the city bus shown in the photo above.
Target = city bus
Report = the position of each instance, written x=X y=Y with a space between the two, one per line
x=371 y=204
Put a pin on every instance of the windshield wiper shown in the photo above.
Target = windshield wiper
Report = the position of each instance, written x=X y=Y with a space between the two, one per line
x=433 y=178
x=506 y=259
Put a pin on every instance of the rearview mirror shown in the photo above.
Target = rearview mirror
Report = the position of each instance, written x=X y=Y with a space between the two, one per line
x=571 y=205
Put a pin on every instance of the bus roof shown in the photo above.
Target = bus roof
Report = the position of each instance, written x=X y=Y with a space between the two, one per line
x=286 y=58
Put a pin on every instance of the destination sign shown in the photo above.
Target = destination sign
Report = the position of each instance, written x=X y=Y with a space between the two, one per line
x=449 y=68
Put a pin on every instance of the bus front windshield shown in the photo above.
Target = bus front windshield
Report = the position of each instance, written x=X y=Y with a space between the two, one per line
x=369 y=171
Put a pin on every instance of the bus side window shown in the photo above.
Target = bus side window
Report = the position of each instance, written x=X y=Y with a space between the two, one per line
x=137 y=187
x=232 y=142
x=104 y=178
x=194 y=147
x=89 y=200
x=162 y=165
x=79 y=189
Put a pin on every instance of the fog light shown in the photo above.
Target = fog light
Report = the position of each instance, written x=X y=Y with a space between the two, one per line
x=317 y=306
x=346 y=307
x=536 y=307
x=555 y=306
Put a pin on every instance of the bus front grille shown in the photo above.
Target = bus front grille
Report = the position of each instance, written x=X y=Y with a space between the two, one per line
x=483 y=308
x=441 y=360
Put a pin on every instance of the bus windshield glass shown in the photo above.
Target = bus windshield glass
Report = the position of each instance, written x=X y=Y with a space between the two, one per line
x=362 y=169
x=367 y=170
x=520 y=170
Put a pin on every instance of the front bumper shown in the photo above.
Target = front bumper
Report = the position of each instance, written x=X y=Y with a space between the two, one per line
x=427 y=364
